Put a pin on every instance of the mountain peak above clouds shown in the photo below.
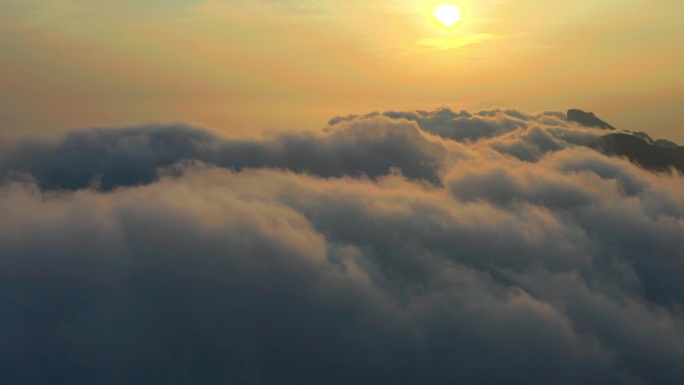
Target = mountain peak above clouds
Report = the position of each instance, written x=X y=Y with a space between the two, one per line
x=649 y=156
x=638 y=147
x=665 y=143
x=587 y=119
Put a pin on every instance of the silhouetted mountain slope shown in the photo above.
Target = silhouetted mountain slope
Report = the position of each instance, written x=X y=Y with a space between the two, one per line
x=587 y=119
x=665 y=143
x=652 y=157
x=638 y=147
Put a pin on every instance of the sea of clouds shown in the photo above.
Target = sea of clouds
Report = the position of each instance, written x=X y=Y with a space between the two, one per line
x=434 y=247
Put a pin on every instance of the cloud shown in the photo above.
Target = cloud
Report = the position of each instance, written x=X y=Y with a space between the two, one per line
x=458 y=42
x=131 y=156
x=398 y=248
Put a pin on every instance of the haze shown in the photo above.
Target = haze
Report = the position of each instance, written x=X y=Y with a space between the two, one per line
x=238 y=65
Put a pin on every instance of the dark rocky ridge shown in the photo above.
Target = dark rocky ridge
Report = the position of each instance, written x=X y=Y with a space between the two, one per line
x=658 y=142
x=649 y=156
x=665 y=143
x=587 y=119
x=655 y=155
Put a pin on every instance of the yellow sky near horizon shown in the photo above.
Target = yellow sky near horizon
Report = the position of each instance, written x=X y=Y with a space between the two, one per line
x=248 y=65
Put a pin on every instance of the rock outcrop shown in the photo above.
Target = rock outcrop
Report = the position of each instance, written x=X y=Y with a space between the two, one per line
x=587 y=119
x=638 y=147
x=649 y=156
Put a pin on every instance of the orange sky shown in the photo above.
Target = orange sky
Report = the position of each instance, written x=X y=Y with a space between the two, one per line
x=248 y=65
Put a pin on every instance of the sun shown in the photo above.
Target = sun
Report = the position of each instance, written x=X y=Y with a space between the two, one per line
x=447 y=14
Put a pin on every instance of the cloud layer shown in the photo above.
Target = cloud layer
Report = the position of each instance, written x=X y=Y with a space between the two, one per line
x=431 y=247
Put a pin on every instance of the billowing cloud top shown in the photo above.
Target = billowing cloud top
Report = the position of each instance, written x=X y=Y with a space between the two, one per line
x=432 y=247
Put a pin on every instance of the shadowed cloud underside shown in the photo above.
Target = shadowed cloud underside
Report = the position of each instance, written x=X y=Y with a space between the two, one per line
x=437 y=247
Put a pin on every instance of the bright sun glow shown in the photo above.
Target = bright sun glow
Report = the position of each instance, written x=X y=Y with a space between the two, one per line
x=447 y=14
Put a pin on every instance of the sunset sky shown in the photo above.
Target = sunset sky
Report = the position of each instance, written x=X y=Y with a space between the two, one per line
x=329 y=192
x=242 y=66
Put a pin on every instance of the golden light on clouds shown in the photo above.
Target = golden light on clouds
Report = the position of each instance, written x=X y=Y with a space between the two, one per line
x=276 y=63
x=447 y=14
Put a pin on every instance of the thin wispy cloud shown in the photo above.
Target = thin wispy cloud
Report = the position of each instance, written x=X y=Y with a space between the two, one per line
x=458 y=42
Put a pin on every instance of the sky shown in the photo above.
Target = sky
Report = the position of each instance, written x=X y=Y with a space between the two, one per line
x=345 y=193
x=247 y=66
